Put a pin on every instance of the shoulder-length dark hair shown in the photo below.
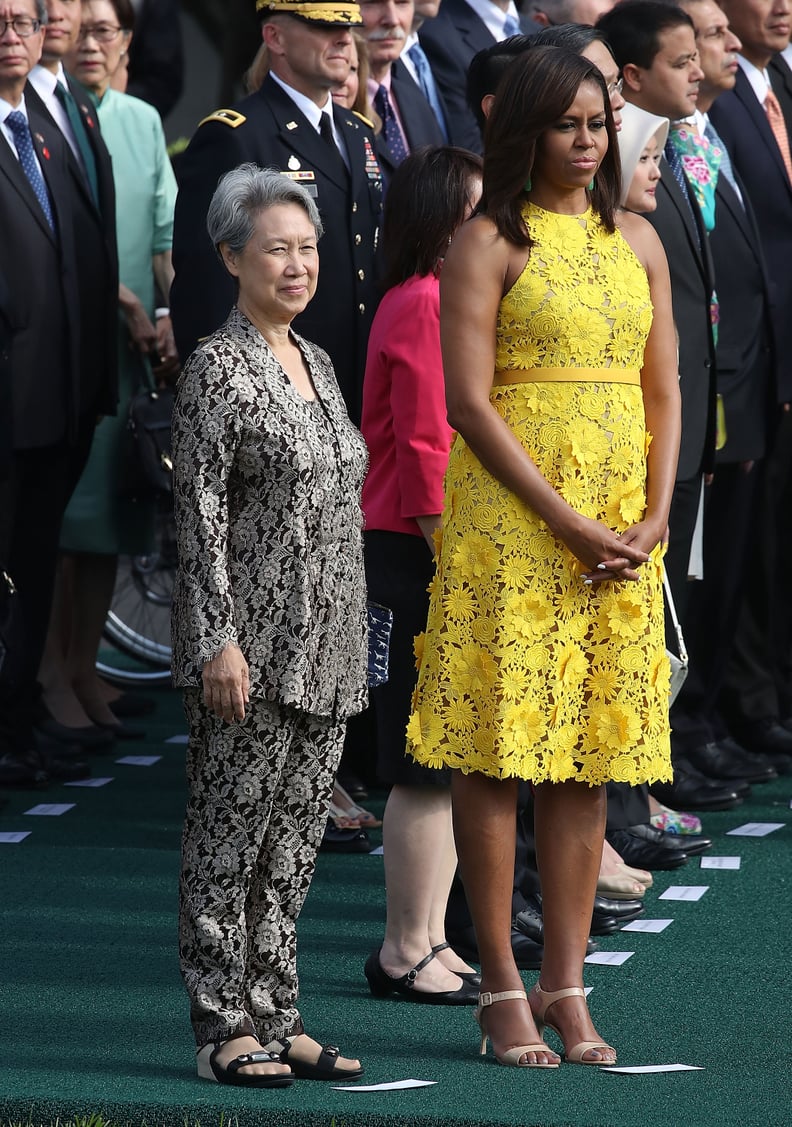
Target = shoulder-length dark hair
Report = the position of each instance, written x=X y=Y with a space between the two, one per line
x=428 y=198
x=535 y=91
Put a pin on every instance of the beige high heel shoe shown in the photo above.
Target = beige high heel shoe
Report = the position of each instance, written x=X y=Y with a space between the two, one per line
x=548 y=998
x=640 y=875
x=511 y=1056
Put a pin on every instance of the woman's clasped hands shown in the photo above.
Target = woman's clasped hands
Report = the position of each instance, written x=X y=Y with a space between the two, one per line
x=609 y=555
x=226 y=684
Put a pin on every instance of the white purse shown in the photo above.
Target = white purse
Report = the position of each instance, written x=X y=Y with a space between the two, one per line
x=679 y=665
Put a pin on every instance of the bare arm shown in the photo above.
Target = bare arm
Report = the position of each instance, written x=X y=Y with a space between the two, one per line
x=660 y=387
x=479 y=268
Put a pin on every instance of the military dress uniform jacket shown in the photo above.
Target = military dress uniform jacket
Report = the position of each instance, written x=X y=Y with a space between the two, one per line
x=267 y=490
x=268 y=129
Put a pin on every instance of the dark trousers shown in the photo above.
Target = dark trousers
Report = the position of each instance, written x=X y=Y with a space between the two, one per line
x=681 y=525
x=757 y=682
x=713 y=610
x=33 y=499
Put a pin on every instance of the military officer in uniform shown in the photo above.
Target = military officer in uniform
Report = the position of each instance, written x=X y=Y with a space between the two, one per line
x=293 y=125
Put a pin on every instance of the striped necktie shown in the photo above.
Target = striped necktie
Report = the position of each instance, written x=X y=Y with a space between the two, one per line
x=17 y=123
x=511 y=27
x=726 y=166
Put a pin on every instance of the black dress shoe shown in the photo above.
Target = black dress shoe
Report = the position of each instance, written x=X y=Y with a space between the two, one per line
x=527 y=953
x=382 y=985
x=787 y=723
x=740 y=786
x=605 y=906
x=22 y=771
x=64 y=770
x=691 y=790
x=529 y=922
x=767 y=737
x=692 y=844
x=729 y=763
x=757 y=763
x=344 y=841
x=641 y=853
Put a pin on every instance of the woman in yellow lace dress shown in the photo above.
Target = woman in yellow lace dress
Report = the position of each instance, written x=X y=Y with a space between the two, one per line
x=544 y=656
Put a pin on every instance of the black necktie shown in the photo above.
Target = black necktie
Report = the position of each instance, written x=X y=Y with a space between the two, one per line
x=66 y=99
x=326 y=133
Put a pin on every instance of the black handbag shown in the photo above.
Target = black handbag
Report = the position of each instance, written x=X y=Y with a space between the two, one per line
x=149 y=468
x=12 y=639
x=380 y=624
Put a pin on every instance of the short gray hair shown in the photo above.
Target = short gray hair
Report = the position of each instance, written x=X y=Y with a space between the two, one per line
x=42 y=15
x=244 y=192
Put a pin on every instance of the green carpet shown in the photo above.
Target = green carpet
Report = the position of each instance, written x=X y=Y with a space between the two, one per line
x=94 y=1019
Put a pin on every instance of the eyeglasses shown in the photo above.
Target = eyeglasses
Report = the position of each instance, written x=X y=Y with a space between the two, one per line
x=102 y=33
x=615 y=87
x=22 y=26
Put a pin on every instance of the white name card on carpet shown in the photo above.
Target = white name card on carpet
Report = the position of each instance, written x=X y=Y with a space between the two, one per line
x=755 y=829
x=645 y=1069
x=13 y=837
x=609 y=958
x=684 y=892
x=50 y=809
x=394 y=1086
x=140 y=760
x=89 y=782
x=378 y=852
x=651 y=927
x=178 y=739
x=720 y=862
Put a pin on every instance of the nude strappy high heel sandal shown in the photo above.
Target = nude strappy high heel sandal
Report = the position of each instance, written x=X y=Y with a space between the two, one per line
x=511 y=1056
x=548 y=998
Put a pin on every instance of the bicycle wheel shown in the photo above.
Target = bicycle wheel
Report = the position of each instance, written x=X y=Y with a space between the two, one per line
x=138 y=622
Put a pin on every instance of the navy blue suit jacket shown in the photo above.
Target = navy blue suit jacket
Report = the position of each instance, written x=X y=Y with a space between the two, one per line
x=450 y=41
x=741 y=121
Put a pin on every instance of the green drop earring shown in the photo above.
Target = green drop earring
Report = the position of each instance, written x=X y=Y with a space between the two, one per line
x=528 y=185
x=591 y=185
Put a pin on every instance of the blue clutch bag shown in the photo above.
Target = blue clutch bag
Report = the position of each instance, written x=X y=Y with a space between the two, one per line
x=380 y=624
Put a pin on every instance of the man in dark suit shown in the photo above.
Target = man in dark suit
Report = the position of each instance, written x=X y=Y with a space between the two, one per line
x=459 y=31
x=757 y=697
x=68 y=106
x=654 y=44
x=745 y=364
x=408 y=121
x=38 y=257
x=156 y=54
x=291 y=124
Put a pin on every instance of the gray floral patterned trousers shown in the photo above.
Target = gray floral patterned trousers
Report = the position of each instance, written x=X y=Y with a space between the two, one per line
x=258 y=793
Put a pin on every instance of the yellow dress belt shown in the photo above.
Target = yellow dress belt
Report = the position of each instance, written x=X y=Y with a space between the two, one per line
x=506 y=376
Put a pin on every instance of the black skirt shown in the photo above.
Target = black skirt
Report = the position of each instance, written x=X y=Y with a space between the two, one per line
x=399 y=568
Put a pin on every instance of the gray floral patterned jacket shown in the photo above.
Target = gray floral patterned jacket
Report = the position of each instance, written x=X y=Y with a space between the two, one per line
x=267 y=496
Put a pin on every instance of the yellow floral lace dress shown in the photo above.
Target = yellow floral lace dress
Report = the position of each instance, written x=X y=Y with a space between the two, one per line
x=525 y=671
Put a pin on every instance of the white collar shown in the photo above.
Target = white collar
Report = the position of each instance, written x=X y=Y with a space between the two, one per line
x=494 y=17
x=759 y=79
x=306 y=107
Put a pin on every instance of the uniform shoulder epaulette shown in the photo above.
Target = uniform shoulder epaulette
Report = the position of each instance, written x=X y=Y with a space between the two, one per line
x=365 y=120
x=228 y=117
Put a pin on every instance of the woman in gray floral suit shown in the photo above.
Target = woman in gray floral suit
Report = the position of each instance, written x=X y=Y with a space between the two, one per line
x=269 y=634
